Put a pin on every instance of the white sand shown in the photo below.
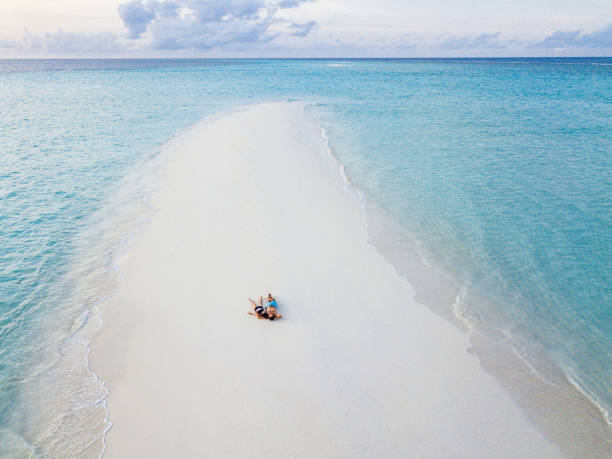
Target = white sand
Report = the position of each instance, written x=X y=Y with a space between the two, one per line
x=251 y=203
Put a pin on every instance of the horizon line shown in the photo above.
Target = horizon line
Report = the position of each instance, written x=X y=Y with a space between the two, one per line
x=300 y=58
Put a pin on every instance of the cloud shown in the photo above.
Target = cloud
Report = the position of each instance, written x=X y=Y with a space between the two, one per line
x=7 y=43
x=291 y=3
x=180 y=34
x=482 y=41
x=65 y=42
x=61 y=42
x=207 y=24
x=601 y=38
x=301 y=30
x=136 y=17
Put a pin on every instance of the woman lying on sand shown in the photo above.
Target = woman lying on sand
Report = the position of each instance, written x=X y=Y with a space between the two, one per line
x=270 y=311
x=271 y=308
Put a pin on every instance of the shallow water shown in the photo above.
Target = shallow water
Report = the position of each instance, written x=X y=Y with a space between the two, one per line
x=496 y=172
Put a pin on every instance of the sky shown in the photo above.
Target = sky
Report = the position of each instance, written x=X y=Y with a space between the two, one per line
x=305 y=28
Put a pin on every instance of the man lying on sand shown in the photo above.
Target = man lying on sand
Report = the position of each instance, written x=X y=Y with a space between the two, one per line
x=269 y=313
x=258 y=310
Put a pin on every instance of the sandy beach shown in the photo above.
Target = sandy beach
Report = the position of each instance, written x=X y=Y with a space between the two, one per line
x=252 y=203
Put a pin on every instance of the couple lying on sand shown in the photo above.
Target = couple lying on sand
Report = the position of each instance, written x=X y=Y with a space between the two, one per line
x=270 y=311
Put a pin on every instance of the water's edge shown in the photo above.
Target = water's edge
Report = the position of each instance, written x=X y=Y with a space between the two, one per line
x=92 y=280
x=551 y=398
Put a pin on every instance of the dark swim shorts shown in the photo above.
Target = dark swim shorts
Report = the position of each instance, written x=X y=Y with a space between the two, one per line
x=260 y=312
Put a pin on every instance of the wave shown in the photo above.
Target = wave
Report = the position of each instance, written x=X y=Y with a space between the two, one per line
x=62 y=400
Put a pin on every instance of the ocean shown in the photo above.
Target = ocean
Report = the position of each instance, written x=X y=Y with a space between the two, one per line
x=487 y=183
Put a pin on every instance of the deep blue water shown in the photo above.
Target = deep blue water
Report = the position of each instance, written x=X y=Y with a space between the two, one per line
x=501 y=168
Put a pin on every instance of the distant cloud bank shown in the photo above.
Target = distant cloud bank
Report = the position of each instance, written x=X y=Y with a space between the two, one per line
x=63 y=43
x=482 y=41
x=269 y=28
x=601 y=38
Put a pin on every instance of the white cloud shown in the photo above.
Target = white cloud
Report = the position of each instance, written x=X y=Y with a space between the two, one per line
x=301 y=30
x=601 y=38
x=136 y=16
x=207 y=24
x=482 y=41
x=61 y=42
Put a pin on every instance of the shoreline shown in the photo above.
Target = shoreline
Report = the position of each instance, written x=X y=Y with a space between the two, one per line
x=546 y=392
x=544 y=384
x=143 y=332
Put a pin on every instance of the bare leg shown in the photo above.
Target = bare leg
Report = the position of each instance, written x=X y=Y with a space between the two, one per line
x=253 y=313
x=255 y=305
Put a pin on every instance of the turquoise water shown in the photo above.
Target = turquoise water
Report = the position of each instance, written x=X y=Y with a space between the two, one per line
x=501 y=169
